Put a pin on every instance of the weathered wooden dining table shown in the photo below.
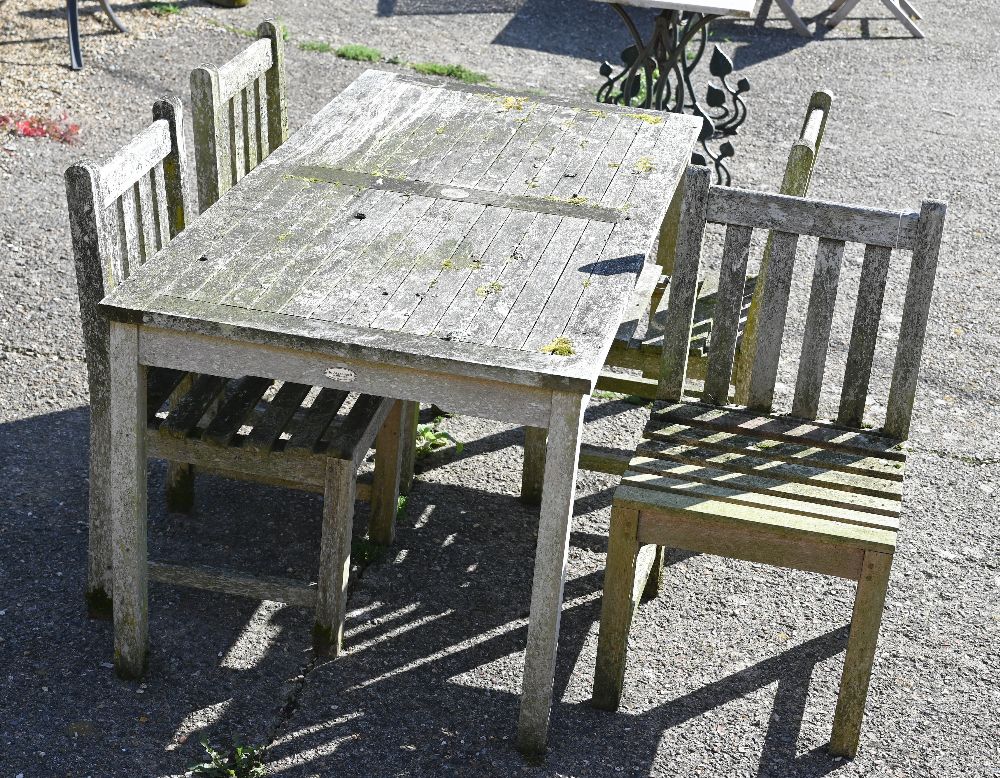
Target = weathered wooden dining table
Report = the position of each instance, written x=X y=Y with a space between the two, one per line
x=445 y=244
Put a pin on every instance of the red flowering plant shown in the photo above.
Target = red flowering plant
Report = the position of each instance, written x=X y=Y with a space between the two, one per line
x=32 y=126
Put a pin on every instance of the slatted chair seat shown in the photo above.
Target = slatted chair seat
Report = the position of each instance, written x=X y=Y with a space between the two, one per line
x=716 y=474
x=245 y=425
x=734 y=477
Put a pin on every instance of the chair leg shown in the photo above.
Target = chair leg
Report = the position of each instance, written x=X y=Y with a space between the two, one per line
x=385 y=488
x=910 y=9
x=616 y=608
x=794 y=18
x=841 y=12
x=865 y=621
x=651 y=588
x=534 y=465
x=127 y=466
x=411 y=418
x=99 y=577
x=904 y=17
x=179 y=487
x=334 y=556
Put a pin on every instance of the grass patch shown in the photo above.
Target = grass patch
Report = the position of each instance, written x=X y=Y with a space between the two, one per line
x=321 y=47
x=164 y=9
x=559 y=347
x=359 y=53
x=450 y=71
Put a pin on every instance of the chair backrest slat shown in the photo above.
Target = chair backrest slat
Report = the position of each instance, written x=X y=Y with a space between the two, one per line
x=239 y=114
x=773 y=311
x=852 y=224
x=864 y=333
x=728 y=307
x=121 y=213
x=787 y=218
x=684 y=284
x=913 y=326
x=160 y=207
x=819 y=319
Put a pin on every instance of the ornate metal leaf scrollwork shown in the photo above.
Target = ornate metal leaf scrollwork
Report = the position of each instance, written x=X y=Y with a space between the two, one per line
x=657 y=74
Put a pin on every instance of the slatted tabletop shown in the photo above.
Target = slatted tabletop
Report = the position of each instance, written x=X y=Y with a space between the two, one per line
x=441 y=227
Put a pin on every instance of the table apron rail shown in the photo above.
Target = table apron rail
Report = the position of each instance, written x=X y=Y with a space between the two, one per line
x=217 y=356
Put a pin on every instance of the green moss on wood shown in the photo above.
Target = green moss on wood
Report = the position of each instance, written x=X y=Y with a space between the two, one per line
x=642 y=117
x=558 y=347
x=99 y=604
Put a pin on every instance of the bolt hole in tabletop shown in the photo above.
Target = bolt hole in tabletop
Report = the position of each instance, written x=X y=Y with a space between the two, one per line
x=502 y=236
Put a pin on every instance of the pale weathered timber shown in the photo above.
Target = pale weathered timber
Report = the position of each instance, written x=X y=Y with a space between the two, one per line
x=256 y=587
x=334 y=556
x=195 y=313
x=795 y=183
x=106 y=250
x=788 y=491
x=533 y=470
x=385 y=489
x=230 y=119
x=683 y=283
x=864 y=334
x=901 y=9
x=725 y=328
x=819 y=318
x=603 y=459
x=854 y=224
x=913 y=326
x=774 y=309
x=865 y=622
x=127 y=466
x=617 y=608
x=551 y=552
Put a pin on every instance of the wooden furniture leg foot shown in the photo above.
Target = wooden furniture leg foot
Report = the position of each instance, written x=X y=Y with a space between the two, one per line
x=180 y=487
x=551 y=552
x=534 y=465
x=616 y=608
x=334 y=556
x=385 y=488
x=128 y=501
x=865 y=622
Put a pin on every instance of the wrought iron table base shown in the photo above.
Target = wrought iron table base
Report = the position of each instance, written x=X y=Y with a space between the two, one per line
x=657 y=74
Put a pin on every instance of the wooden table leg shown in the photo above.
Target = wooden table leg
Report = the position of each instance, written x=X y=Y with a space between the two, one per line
x=128 y=500
x=562 y=452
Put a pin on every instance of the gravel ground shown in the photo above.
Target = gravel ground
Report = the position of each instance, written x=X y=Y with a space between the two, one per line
x=733 y=669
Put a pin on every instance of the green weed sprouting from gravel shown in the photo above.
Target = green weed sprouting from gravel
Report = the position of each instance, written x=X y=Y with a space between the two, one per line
x=430 y=437
x=450 y=71
x=319 y=46
x=239 y=762
x=164 y=9
x=359 y=53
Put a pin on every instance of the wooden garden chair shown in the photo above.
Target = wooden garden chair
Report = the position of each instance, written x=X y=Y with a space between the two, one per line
x=640 y=342
x=239 y=112
x=903 y=10
x=749 y=483
x=788 y=9
x=122 y=212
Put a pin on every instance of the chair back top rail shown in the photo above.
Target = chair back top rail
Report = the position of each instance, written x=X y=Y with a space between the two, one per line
x=133 y=161
x=834 y=224
x=243 y=69
x=802 y=216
